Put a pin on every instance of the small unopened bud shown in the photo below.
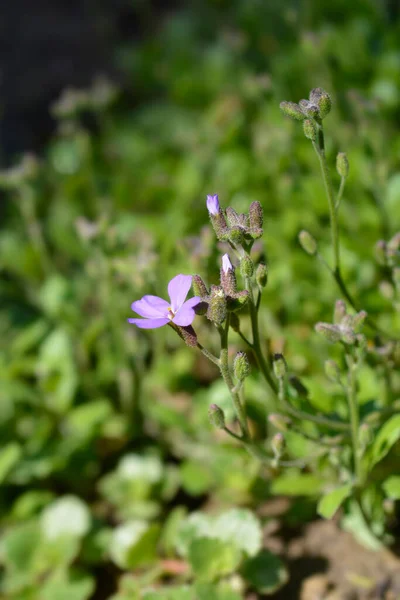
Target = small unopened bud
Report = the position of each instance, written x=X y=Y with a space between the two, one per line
x=217 y=217
x=307 y=242
x=281 y=422
x=330 y=332
x=239 y=300
x=232 y=217
x=310 y=109
x=340 y=312
x=262 y=275
x=187 y=333
x=256 y=215
x=217 y=308
x=236 y=235
x=310 y=130
x=278 y=445
x=332 y=370
x=241 y=366
x=279 y=365
x=348 y=336
x=324 y=105
x=216 y=416
x=342 y=164
x=246 y=266
x=380 y=252
x=358 y=320
x=199 y=287
x=228 y=277
x=292 y=110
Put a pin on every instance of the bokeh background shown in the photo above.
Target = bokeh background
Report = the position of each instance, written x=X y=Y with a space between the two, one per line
x=117 y=118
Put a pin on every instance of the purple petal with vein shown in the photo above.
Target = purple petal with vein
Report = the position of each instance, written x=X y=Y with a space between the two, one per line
x=178 y=289
x=149 y=323
x=186 y=314
x=151 y=306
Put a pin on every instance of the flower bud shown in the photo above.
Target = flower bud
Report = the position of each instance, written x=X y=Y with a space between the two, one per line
x=279 y=366
x=246 y=266
x=340 y=311
x=278 y=445
x=307 y=242
x=262 y=275
x=324 y=105
x=228 y=277
x=331 y=332
x=281 y=422
x=199 y=287
x=236 y=235
x=217 y=308
x=309 y=109
x=332 y=370
x=232 y=217
x=342 y=164
x=186 y=333
x=217 y=217
x=310 y=130
x=241 y=366
x=239 y=300
x=216 y=416
x=348 y=336
x=358 y=320
x=256 y=215
x=292 y=110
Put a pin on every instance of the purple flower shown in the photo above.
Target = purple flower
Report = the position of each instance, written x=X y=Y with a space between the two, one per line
x=158 y=312
x=213 y=204
x=226 y=263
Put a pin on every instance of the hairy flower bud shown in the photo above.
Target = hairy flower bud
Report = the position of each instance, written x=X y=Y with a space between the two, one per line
x=330 y=332
x=241 y=366
x=310 y=109
x=281 y=422
x=240 y=299
x=307 y=242
x=246 y=266
x=236 y=235
x=228 y=277
x=342 y=164
x=340 y=312
x=217 y=308
x=262 y=275
x=256 y=215
x=187 y=334
x=358 y=320
x=332 y=370
x=310 y=130
x=232 y=217
x=324 y=105
x=199 y=287
x=279 y=366
x=217 y=217
x=292 y=110
x=216 y=416
x=348 y=336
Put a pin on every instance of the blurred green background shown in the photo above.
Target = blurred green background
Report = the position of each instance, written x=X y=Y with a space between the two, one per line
x=105 y=442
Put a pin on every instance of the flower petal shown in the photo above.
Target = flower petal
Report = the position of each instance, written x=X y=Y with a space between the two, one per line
x=186 y=314
x=178 y=289
x=149 y=323
x=151 y=307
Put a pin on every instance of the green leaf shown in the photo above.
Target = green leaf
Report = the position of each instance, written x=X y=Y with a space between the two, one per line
x=171 y=528
x=173 y=593
x=212 y=558
x=66 y=516
x=67 y=587
x=134 y=543
x=9 y=456
x=19 y=545
x=265 y=572
x=329 y=504
x=392 y=487
x=196 y=477
x=240 y=527
x=209 y=591
x=296 y=484
x=387 y=436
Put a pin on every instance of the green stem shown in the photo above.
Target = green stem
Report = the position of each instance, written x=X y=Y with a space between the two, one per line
x=226 y=374
x=232 y=434
x=320 y=151
x=340 y=193
x=354 y=416
x=208 y=354
x=256 y=345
